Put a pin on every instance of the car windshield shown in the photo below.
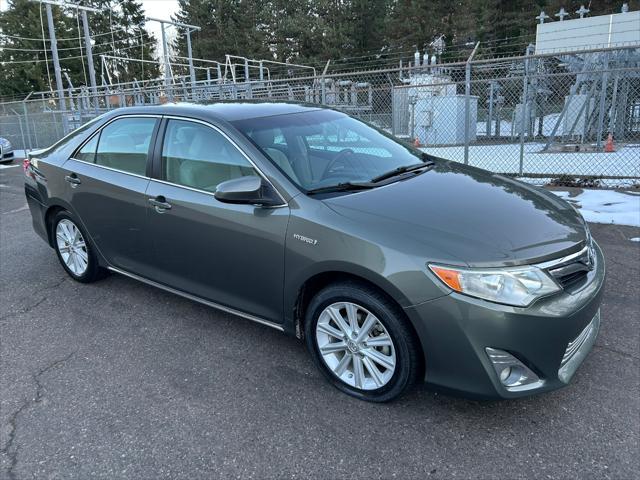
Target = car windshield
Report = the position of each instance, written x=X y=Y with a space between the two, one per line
x=321 y=149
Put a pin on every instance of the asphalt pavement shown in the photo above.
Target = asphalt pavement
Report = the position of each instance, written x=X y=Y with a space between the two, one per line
x=120 y=380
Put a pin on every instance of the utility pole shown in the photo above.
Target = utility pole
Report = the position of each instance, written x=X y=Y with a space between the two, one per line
x=54 y=49
x=467 y=104
x=89 y=53
x=165 y=51
x=56 y=67
x=167 y=67
x=192 y=72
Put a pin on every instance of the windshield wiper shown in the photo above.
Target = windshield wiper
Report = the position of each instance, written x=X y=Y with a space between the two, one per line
x=342 y=187
x=401 y=170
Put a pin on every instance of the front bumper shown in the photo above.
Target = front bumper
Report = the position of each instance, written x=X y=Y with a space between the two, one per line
x=456 y=329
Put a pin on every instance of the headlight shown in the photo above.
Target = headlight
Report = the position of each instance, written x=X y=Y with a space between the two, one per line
x=518 y=286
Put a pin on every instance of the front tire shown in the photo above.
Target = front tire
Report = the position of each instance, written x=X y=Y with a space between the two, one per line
x=361 y=341
x=74 y=250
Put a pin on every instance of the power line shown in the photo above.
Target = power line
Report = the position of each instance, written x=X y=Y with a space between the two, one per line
x=66 y=48
x=67 y=39
x=38 y=60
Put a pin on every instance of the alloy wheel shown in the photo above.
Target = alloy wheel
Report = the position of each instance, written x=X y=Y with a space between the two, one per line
x=355 y=346
x=72 y=247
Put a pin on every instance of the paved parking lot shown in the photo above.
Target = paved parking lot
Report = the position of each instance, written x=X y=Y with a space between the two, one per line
x=120 y=380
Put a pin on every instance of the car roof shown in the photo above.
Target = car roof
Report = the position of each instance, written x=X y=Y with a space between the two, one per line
x=228 y=111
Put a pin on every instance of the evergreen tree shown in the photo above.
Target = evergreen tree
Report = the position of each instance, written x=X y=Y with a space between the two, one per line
x=227 y=27
x=376 y=32
x=22 y=46
x=119 y=30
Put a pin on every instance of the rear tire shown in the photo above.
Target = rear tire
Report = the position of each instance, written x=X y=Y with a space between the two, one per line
x=74 y=249
x=361 y=341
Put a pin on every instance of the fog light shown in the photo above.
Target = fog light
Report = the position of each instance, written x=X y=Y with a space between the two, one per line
x=504 y=374
x=513 y=374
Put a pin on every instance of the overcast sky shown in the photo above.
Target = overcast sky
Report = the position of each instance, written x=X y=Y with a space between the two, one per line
x=161 y=9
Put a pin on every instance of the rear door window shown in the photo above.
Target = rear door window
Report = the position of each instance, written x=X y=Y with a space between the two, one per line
x=124 y=144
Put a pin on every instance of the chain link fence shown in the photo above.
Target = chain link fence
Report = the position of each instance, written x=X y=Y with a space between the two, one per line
x=563 y=119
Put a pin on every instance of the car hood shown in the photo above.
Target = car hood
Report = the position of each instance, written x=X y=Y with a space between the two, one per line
x=467 y=216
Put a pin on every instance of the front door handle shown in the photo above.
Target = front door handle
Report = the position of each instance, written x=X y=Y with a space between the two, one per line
x=160 y=203
x=73 y=179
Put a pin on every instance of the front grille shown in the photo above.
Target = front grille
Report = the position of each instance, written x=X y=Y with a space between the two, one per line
x=572 y=269
x=571 y=279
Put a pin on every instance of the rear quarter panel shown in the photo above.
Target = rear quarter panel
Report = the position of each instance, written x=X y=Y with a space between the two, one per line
x=48 y=189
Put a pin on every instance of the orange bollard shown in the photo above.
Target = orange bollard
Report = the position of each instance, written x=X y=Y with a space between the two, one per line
x=608 y=146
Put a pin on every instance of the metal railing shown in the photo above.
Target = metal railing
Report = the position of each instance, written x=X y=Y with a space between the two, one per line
x=544 y=118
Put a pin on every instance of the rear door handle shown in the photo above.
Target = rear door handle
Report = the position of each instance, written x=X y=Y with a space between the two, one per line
x=73 y=179
x=160 y=203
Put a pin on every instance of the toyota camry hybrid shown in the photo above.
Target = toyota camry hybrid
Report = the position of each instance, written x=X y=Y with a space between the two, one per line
x=393 y=266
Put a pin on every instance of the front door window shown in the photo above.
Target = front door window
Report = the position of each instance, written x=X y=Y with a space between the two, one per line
x=198 y=156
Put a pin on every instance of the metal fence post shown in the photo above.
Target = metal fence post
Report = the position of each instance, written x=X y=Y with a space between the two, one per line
x=393 y=109
x=489 y=128
x=603 y=99
x=35 y=133
x=24 y=144
x=467 y=103
x=26 y=120
x=413 y=119
x=525 y=108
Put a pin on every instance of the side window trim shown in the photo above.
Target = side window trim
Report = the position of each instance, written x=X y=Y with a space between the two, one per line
x=95 y=135
x=156 y=154
x=82 y=145
x=159 y=173
x=98 y=132
x=152 y=146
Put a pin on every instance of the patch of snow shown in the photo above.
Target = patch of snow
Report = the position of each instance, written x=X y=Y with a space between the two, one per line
x=505 y=158
x=606 y=206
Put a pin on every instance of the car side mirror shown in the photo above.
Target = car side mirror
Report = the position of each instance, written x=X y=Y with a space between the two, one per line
x=247 y=190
